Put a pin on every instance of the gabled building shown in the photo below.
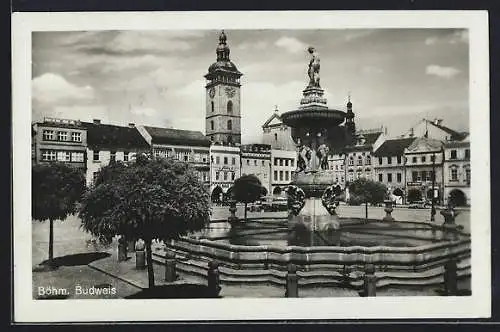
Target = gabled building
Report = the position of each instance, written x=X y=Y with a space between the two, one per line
x=359 y=157
x=456 y=172
x=225 y=167
x=424 y=160
x=390 y=165
x=277 y=134
x=256 y=160
x=188 y=146
x=107 y=143
x=60 y=140
x=435 y=129
x=283 y=167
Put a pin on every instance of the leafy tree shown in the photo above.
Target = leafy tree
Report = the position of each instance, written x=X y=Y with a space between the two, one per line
x=414 y=195
x=149 y=199
x=247 y=189
x=55 y=190
x=368 y=191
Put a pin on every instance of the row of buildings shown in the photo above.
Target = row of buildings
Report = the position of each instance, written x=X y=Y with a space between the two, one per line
x=406 y=164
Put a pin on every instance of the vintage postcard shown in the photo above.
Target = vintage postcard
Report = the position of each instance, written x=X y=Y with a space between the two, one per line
x=190 y=166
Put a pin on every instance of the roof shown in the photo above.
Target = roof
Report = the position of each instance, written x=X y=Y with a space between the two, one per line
x=394 y=147
x=177 y=136
x=456 y=144
x=271 y=118
x=370 y=139
x=424 y=144
x=112 y=136
x=454 y=135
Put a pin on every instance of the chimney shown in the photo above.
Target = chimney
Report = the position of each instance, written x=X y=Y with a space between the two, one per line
x=131 y=124
x=97 y=121
x=439 y=121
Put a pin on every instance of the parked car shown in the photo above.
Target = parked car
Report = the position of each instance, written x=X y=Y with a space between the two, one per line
x=255 y=206
x=419 y=205
x=279 y=204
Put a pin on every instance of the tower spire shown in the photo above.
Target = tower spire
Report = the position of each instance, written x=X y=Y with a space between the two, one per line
x=222 y=49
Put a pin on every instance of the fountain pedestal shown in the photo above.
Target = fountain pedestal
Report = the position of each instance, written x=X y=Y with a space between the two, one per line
x=315 y=217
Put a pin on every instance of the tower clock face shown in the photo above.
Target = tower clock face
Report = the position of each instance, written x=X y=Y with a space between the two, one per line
x=230 y=92
x=211 y=92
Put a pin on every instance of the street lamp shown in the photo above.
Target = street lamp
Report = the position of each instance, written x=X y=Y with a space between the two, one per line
x=433 y=209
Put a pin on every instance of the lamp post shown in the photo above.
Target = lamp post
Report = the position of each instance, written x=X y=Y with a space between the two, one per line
x=433 y=209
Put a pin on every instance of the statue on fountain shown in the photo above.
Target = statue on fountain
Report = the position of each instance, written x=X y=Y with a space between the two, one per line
x=322 y=154
x=328 y=200
x=314 y=66
x=304 y=158
x=295 y=199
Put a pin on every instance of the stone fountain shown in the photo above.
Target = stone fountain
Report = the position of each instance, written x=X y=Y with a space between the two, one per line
x=316 y=130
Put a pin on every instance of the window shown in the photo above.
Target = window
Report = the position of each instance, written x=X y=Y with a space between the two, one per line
x=225 y=160
x=275 y=161
x=286 y=175
x=336 y=167
x=48 y=155
x=230 y=107
x=398 y=177
x=48 y=135
x=232 y=176
x=360 y=161
x=453 y=154
x=380 y=160
x=275 y=137
x=225 y=176
x=286 y=162
x=186 y=157
x=414 y=159
x=229 y=125
x=467 y=154
x=292 y=162
x=389 y=160
x=351 y=161
x=95 y=155
x=389 y=177
x=77 y=157
x=467 y=175
x=94 y=176
x=255 y=162
x=380 y=178
x=281 y=175
x=281 y=162
x=431 y=175
x=248 y=162
x=263 y=164
x=62 y=135
x=424 y=176
x=414 y=176
x=275 y=175
x=212 y=106
x=233 y=161
x=423 y=159
x=112 y=156
x=454 y=174
x=342 y=166
x=217 y=160
x=125 y=156
x=368 y=160
x=212 y=125
x=76 y=137
x=398 y=159
x=63 y=156
x=341 y=179
x=217 y=175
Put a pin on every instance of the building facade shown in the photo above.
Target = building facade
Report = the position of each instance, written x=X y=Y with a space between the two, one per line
x=424 y=161
x=188 y=146
x=359 y=157
x=60 y=140
x=108 y=143
x=283 y=166
x=456 y=172
x=256 y=160
x=225 y=167
x=277 y=134
x=434 y=129
x=223 y=96
x=390 y=166
x=336 y=163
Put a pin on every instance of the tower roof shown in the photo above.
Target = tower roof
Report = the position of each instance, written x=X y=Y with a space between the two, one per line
x=223 y=63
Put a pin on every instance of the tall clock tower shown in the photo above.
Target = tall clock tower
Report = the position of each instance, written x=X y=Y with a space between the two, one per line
x=223 y=96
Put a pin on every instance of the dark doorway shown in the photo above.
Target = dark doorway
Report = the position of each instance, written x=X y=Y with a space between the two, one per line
x=458 y=198
x=216 y=194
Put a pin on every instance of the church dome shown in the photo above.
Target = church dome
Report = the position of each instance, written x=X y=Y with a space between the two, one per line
x=223 y=62
x=225 y=65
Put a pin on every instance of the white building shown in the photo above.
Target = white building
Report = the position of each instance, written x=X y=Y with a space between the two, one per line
x=283 y=166
x=456 y=172
x=225 y=167
x=277 y=134
x=256 y=160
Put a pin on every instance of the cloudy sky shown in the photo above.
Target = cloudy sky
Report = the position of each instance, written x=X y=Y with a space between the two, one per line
x=395 y=77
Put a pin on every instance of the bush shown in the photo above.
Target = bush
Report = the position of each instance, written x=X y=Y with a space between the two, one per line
x=356 y=200
x=414 y=195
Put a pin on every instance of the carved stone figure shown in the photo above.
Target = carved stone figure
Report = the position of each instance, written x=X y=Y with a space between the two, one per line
x=295 y=199
x=328 y=200
x=314 y=66
x=304 y=160
x=322 y=154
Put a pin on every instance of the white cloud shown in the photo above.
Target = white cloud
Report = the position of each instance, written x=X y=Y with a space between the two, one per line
x=144 y=111
x=357 y=34
x=260 y=45
x=291 y=44
x=370 y=70
x=443 y=72
x=431 y=40
x=461 y=36
x=51 y=88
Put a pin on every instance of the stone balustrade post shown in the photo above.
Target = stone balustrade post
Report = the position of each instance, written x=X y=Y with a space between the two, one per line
x=170 y=269
x=450 y=277
x=140 y=255
x=388 y=210
x=292 y=284
x=122 y=249
x=213 y=278
x=232 y=210
x=370 y=281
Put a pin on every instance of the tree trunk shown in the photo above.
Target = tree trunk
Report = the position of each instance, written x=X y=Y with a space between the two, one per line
x=245 y=211
x=151 y=275
x=51 y=241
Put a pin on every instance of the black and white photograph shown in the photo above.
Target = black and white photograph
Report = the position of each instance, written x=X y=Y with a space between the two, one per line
x=266 y=166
